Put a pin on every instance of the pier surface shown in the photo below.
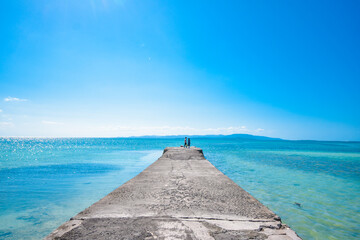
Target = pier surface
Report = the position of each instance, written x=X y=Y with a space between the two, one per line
x=180 y=196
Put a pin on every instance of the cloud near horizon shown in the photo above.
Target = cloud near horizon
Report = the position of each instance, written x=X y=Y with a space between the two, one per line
x=51 y=123
x=14 y=99
x=177 y=130
x=6 y=124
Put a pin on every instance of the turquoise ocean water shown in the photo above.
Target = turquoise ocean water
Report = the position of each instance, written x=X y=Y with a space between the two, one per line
x=44 y=182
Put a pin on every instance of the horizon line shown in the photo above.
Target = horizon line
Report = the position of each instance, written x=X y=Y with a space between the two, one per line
x=181 y=135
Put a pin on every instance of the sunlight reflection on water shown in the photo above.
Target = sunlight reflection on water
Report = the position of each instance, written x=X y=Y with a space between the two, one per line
x=43 y=182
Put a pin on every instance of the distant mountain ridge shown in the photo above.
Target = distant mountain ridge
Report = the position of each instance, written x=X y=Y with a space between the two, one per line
x=242 y=136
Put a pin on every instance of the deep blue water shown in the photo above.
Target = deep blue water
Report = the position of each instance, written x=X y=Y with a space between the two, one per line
x=44 y=182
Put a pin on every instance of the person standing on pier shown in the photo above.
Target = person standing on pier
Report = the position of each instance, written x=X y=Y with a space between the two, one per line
x=188 y=143
x=185 y=143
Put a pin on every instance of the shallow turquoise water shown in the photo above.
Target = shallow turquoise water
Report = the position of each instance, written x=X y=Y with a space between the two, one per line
x=44 y=182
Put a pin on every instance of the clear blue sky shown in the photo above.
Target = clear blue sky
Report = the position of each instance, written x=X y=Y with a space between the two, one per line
x=288 y=69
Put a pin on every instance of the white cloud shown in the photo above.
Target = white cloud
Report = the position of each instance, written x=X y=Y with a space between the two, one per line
x=14 y=99
x=125 y=131
x=51 y=123
x=259 y=130
x=6 y=124
x=227 y=130
x=1 y=110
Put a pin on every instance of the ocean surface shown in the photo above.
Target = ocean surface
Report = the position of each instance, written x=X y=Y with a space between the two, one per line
x=44 y=182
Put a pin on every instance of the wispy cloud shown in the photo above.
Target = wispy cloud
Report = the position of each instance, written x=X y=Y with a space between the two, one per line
x=1 y=110
x=227 y=130
x=175 y=130
x=51 y=122
x=6 y=124
x=259 y=130
x=14 y=99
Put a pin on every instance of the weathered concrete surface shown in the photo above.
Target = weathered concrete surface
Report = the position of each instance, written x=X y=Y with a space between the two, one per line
x=180 y=196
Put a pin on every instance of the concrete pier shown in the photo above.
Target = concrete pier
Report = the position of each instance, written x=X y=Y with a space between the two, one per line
x=180 y=196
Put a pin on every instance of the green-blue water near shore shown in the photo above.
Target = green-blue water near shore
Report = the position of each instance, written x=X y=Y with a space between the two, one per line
x=43 y=182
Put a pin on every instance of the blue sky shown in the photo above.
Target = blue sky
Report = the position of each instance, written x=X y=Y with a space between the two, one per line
x=288 y=69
